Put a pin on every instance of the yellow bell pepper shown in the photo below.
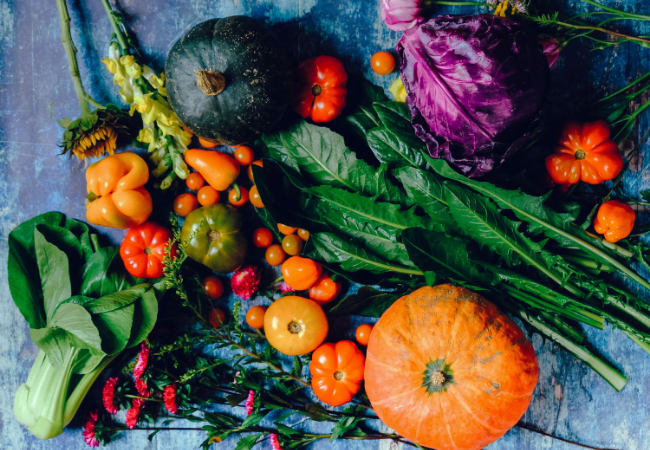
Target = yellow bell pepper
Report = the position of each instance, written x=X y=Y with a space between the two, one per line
x=116 y=194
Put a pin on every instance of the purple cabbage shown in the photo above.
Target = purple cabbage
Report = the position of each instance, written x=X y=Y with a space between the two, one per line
x=400 y=15
x=474 y=85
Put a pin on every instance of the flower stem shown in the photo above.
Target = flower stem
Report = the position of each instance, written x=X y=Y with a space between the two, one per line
x=71 y=53
x=604 y=30
x=116 y=28
x=143 y=398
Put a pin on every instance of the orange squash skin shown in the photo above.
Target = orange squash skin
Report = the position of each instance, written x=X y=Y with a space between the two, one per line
x=491 y=363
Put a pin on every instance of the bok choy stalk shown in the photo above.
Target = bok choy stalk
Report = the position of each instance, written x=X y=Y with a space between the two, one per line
x=83 y=309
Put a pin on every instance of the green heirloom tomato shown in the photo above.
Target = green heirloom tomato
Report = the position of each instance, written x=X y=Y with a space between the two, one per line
x=216 y=241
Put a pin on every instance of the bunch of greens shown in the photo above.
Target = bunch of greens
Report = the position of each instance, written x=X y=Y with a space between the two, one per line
x=83 y=309
x=414 y=220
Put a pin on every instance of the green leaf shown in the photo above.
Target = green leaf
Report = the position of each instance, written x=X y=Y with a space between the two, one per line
x=116 y=300
x=332 y=248
x=64 y=123
x=247 y=442
x=115 y=328
x=396 y=148
x=367 y=302
x=284 y=417
x=77 y=321
x=395 y=116
x=316 y=412
x=364 y=117
x=343 y=426
x=104 y=273
x=24 y=281
x=645 y=194
x=285 y=430
x=254 y=419
x=265 y=216
x=66 y=241
x=144 y=317
x=54 y=273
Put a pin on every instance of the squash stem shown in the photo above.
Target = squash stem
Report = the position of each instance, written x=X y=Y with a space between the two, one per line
x=71 y=53
x=121 y=38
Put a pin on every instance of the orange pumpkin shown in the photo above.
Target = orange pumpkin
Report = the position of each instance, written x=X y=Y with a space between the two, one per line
x=446 y=369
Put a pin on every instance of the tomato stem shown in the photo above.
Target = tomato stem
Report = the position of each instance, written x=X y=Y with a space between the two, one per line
x=235 y=186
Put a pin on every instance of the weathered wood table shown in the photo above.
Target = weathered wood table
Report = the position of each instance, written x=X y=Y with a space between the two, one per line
x=570 y=401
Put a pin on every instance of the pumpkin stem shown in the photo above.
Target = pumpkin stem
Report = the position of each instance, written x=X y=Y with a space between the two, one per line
x=580 y=154
x=438 y=378
x=210 y=82
x=213 y=235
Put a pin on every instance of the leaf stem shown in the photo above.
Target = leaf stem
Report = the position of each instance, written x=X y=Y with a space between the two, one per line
x=71 y=53
x=116 y=28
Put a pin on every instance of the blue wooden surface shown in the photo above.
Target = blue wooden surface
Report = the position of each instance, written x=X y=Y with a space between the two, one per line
x=35 y=88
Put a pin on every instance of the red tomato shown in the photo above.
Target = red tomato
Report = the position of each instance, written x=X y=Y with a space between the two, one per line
x=184 y=204
x=382 y=63
x=322 y=91
x=213 y=287
x=337 y=371
x=262 y=237
x=143 y=250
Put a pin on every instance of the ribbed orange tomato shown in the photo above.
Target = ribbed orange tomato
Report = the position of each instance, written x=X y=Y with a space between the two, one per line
x=295 y=325
x=336 y=372
x=446 y=369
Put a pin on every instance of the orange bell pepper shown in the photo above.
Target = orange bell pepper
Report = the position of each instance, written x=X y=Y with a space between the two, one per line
x=586 y=153
x=615 y=220
x=301 y=273
x=116 y=195
x=218 y=169
x=324 y=290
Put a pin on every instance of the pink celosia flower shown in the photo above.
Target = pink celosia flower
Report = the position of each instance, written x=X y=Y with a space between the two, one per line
x=250 y=401
x=142 y=388
x=284 y=287
x=275 y=444
x=170 y=398
x=132 y=414
x=108 y=395
x=400 y=15
x=143 y=358
x=245 y=281
x=89 y=430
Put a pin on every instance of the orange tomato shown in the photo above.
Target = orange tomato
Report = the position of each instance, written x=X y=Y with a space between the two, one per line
x=207 y=195
x=382 y=63
x=284 y=229
x=615 y=220
x=243 y=196
x=292 y=244
x=206 y=144
x=301 y=273
x=255 y=198
x=218 y=169
x=217 y=317
x=244 y=155
x=250 y=169
x=213 y=287
x=324 y=289
x=303 y=234
x=362 y=334
x=185 y=204
x=274 y=255
x=262 y=237
x=337 y=371
x=194 y=181
x=295 y=325
x=255 y=317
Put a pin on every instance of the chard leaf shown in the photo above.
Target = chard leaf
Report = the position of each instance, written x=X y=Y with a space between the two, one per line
x=352 y=258
x=446 y=256
x=396 y=148
x=363 y=208
x=54 y=273
x=428 y=191
x=364 y=117
x=367 y=302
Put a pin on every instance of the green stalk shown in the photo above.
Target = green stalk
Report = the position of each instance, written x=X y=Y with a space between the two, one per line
x=71 y=53
x=116 y=28
x=576 y=336
x=617 y=12
x=603 y=30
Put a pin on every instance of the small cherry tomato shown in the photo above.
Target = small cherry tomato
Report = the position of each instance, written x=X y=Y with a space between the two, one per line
x=195 y=181
x=250 y=169
x=207 y=195
x=274 y=255
x=255 y=317
x=213 y=287
x=206 y=144
x=363 y=334
x=185 y=204
x=255 y=198
x=285 y=229
x=217 y=317
x=244 y=155
x=337 y=371
x=292 y=244
x=243 y=196
x=262 y=237
x=303 y=234
x=144 y=248
x=324 y=289
x=295 y=325
x=382 y=63
x=301 y=273
x=615 y=220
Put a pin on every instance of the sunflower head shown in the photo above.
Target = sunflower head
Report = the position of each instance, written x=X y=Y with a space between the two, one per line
x=95 y=134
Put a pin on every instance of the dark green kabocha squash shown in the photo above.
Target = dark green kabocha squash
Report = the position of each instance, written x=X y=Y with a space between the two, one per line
x=228 y=80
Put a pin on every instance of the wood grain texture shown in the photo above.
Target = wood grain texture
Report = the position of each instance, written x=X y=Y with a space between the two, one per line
x=570 y=400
